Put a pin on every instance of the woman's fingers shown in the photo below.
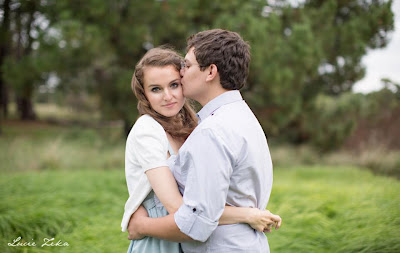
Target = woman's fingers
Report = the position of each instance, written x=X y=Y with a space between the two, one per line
x=267 y=230
x=278 y=221
x=272 y=221
x=267 y=221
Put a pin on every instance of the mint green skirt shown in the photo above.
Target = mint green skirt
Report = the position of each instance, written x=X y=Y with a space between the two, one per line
x=150 y=244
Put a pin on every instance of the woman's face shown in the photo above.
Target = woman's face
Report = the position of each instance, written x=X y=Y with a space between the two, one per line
x=163 y=89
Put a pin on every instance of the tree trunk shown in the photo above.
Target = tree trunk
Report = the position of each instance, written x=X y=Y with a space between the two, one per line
x=4 y=98
x=25 y=108
x=24 y=99
x=4 y=51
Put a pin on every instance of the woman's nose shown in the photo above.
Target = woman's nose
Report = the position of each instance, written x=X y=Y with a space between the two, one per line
x=167 y=94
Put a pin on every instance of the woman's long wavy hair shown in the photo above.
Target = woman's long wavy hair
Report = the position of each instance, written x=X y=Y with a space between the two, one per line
x=178 y=126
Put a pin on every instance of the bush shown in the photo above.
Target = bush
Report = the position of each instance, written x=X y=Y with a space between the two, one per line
x=332 y=119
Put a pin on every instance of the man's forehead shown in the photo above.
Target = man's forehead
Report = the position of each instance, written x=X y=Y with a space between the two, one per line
x=190 y=55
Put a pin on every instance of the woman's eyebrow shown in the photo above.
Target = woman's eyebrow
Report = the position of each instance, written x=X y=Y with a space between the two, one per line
x=174 y=81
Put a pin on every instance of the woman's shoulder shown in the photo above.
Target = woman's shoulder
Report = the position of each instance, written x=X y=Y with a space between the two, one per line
x=146 y=120
x=144 y=128
x=146 y=123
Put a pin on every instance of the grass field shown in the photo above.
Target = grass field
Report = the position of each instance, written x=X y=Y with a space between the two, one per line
x=68 y=183
x=324 y=209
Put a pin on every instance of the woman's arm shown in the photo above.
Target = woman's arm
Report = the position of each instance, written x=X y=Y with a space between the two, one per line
x=164 y=185
x=261 y=220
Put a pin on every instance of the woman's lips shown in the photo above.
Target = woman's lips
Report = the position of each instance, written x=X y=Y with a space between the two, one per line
x=170 y=105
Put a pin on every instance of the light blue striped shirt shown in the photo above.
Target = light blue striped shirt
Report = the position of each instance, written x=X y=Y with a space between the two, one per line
x=226 y=160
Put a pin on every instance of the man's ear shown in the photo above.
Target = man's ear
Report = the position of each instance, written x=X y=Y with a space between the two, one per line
x=212 y=72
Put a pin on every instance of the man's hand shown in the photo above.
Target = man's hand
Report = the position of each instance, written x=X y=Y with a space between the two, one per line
x=135 y=224
x=263 y=221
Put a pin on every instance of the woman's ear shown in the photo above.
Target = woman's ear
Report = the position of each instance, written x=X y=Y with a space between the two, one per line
x=212 y=72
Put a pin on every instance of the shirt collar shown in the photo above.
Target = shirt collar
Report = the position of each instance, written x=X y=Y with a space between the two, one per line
x=223 y=99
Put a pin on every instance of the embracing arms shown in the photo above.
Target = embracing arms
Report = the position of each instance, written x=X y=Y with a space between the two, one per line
x=164 y=185
x=151 y=156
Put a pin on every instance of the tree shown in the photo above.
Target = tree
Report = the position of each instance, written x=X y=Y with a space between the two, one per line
x=391 y=85
x=21 y=66
x=5 y=40
x=299 y=52
x=106 y=50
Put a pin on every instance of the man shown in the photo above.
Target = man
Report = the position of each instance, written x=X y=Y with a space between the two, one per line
x=226 y=159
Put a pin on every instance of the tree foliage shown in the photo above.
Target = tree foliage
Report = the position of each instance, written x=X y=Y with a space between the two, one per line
x=300 y=53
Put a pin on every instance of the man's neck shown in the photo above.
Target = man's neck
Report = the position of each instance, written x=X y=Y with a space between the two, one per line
x=211 y=94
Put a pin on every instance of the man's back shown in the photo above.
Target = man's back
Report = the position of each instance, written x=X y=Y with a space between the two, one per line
x=237 y=172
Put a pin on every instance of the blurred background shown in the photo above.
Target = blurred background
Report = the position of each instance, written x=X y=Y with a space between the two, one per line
x=321 y=83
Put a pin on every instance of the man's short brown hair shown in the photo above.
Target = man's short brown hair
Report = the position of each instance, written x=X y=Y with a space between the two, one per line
x=227 y=50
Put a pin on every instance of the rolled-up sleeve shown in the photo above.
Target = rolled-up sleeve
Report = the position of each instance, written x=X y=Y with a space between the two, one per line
x=209 y=168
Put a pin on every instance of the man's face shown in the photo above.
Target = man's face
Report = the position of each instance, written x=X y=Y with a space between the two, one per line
x=193 y=79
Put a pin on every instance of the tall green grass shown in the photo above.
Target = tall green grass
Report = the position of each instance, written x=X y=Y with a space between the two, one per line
x=335 y=209
x=82 y=208
x=376 y=158
x=68 y=183
x=40 y=146
x=324 y=209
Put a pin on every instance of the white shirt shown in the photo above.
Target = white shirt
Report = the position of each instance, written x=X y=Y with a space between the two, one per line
x=226 y=160
x=146 y=148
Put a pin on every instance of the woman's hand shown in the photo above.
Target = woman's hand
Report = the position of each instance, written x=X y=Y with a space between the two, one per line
x=263 y=220
x=134 y=223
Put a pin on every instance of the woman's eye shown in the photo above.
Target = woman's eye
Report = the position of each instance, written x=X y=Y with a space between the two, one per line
x=155 y=89
x=174 y=85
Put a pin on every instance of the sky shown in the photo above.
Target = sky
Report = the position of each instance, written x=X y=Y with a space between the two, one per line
x=382 y=63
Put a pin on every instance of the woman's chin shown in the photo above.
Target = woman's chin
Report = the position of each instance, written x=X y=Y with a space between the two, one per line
x=169 y=114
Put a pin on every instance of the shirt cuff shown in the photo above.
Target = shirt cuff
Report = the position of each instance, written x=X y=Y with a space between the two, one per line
x=193 y=224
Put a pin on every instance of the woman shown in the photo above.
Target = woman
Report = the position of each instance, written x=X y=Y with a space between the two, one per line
x=167 y=120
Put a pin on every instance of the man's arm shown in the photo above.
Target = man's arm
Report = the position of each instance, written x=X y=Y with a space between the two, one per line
x=208 y=165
